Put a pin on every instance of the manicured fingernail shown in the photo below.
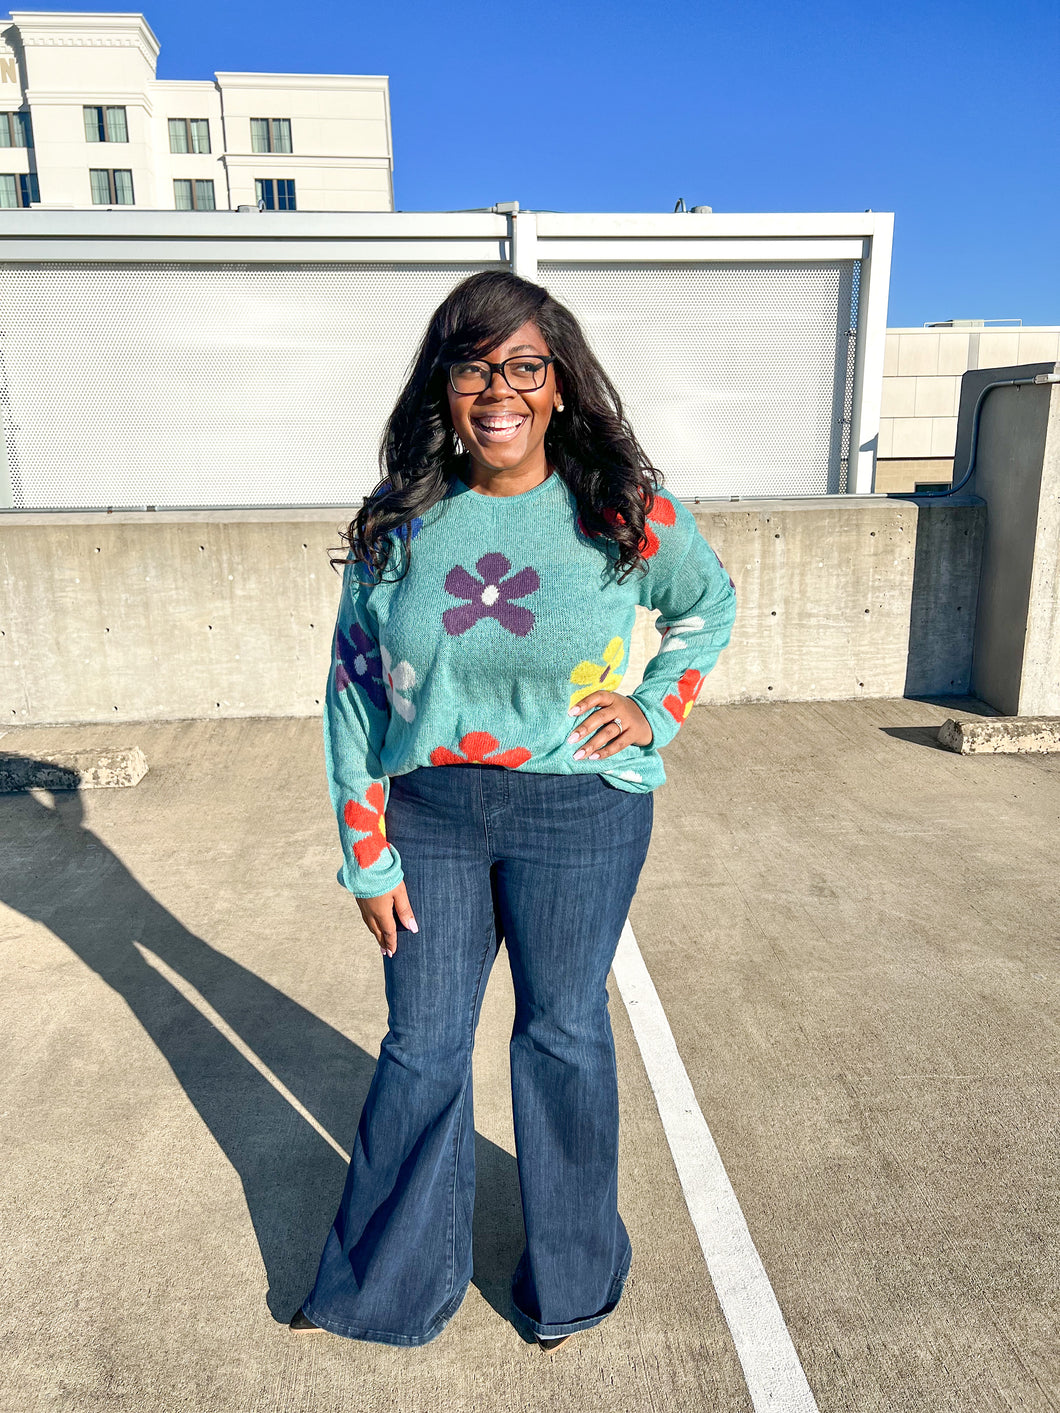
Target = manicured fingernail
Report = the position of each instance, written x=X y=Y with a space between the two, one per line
x=578 y=755
x=595 y=755
x=413 y=927
x=572 y=737
x=574 y=711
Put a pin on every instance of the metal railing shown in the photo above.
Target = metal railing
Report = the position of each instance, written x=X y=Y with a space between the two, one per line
x=203 y=359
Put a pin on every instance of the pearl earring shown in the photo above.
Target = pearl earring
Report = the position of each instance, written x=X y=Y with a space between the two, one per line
x=559 y=407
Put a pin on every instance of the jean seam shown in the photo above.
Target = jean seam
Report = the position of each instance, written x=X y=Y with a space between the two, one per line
x=502 y=779
x=485 y=817
x=460 y=1116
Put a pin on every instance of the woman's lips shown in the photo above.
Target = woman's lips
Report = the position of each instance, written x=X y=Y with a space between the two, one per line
x=498 y=429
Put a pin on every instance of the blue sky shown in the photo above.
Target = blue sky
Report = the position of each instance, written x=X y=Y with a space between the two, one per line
x=944 y=113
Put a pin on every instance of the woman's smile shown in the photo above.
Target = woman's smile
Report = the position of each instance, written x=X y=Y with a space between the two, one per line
x=498 y=426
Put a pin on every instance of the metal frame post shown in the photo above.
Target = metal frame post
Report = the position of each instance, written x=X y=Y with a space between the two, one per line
x=7 y=493
x=523 y=227
x=7 y=434
x=868 y=357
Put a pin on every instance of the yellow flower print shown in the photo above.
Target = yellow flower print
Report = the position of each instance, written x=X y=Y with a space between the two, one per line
x=599 y=677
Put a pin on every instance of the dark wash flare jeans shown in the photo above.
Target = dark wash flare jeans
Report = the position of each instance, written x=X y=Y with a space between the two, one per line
x=549 y=864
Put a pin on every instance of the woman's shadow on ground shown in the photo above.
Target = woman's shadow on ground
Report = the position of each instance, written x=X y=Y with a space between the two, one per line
x=59 y=873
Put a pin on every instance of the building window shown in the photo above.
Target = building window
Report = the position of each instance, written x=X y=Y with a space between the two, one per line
x=189 y=135
x=18 y=189
x=111 y=187
x=278 y=194
x=194 y=195
x=105 y=125
x=15 y=130
x=270 y=135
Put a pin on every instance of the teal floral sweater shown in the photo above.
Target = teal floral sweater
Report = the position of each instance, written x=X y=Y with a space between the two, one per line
x=509 y=614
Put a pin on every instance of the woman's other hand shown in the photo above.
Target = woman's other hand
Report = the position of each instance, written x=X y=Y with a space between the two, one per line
x=383 y=914
x=615 y=723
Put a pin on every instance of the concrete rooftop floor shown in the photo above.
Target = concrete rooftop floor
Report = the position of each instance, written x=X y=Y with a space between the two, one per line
x=853 y=932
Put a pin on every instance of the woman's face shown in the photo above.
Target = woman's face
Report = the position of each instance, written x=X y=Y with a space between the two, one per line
x=502 y=429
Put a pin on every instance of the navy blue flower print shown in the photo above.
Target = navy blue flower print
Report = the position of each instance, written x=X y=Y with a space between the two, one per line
x=357 y=660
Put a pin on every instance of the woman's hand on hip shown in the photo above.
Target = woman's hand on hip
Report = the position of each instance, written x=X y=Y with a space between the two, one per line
x=614 y=723
x=382 y=915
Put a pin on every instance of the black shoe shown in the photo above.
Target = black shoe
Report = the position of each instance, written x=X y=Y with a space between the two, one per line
x=302 y=1324
x=551 y=1342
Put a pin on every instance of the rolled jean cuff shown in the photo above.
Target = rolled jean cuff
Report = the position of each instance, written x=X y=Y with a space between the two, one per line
x=573 y=1326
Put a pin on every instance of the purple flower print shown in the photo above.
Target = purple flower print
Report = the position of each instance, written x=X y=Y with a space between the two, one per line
x=491 y=597
x=358 y=661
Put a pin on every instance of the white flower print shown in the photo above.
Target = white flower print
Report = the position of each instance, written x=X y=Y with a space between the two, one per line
x=398 y=677
x=687 y=625
x=626 y=775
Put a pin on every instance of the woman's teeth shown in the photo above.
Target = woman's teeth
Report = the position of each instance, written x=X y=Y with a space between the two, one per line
x=497 y=429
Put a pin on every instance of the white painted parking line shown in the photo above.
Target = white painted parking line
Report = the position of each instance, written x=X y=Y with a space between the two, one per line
x=771 y=1369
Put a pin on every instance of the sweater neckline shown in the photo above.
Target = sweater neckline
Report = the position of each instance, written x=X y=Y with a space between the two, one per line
x=460 y=488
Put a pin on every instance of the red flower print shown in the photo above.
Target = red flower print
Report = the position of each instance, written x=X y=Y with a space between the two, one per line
x=480 y=748
x=661 y=513
x=687 y=691
x=368 y=818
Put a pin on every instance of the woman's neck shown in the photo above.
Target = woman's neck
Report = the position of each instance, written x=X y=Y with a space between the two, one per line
x=488 y=481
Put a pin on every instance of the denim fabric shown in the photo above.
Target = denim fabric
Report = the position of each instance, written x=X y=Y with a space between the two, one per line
x=548 y=864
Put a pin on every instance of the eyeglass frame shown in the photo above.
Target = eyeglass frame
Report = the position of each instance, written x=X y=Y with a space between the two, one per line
x=545 y=358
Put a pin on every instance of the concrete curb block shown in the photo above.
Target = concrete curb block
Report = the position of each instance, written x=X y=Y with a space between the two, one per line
x=73 y=770
x=1010 y=735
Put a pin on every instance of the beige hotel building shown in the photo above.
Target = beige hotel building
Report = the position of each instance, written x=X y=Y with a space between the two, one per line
x=84 y=122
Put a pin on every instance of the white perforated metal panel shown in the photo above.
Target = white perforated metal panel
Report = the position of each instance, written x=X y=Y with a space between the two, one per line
x=181 y=384
x=736 y=377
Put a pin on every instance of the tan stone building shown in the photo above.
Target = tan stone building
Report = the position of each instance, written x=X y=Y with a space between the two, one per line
x=922 y=371
x=84 y=122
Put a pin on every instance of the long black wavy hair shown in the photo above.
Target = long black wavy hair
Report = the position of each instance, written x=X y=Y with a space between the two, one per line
x=590 y=444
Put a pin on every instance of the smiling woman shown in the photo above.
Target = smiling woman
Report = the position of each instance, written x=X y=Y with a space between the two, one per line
x=528 y=527
x=501 y=411
x=572 y=422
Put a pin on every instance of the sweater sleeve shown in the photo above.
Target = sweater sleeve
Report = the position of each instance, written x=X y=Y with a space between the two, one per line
x=356 y=713
x=696 y=599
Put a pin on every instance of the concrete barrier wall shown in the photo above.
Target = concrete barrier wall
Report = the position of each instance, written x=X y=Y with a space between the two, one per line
x=1016 y=655
x=145 y=615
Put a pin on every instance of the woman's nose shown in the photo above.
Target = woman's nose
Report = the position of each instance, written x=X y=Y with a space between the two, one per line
x=497 y=387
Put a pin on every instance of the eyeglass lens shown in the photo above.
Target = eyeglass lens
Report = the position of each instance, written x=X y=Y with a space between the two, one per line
x=522 y=374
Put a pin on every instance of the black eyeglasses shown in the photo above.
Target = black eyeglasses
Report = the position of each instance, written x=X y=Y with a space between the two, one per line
x=522 y=374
